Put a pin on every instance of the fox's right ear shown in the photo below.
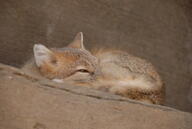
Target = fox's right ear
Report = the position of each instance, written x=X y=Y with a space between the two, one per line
x=42 y=54
x=77 y=42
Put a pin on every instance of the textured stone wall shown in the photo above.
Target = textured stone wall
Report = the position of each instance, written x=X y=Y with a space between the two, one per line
x=158 y=30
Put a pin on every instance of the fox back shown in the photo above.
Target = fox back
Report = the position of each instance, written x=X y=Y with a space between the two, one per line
x=109 y=70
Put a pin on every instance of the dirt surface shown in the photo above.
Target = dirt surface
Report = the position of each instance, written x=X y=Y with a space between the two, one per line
x=29 y=103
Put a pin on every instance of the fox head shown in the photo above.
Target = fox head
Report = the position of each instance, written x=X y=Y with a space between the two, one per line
x=73 y=62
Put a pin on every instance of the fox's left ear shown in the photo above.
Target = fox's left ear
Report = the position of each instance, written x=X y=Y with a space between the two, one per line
x=77 y=42
x=42 y=54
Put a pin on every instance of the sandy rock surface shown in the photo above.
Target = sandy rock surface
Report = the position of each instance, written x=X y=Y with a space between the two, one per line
x=29 y=103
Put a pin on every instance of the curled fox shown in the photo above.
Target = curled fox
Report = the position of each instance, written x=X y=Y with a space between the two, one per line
x=109 y=70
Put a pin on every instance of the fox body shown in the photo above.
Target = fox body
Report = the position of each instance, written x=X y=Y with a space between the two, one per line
x=108 y=70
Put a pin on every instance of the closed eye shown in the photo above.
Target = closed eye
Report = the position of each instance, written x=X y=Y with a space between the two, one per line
x=83 y=70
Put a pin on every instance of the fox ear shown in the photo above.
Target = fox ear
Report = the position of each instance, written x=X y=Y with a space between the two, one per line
x=77 y=42
x=42 y=54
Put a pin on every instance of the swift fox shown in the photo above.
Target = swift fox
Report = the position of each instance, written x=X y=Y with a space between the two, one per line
x=109 y=70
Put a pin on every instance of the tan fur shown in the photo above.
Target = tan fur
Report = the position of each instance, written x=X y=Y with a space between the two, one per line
x=108 y=70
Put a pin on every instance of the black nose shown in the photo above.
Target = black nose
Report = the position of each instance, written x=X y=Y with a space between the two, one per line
x=92 y=73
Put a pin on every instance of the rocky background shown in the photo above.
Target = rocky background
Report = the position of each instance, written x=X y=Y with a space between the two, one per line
x=157 y=30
